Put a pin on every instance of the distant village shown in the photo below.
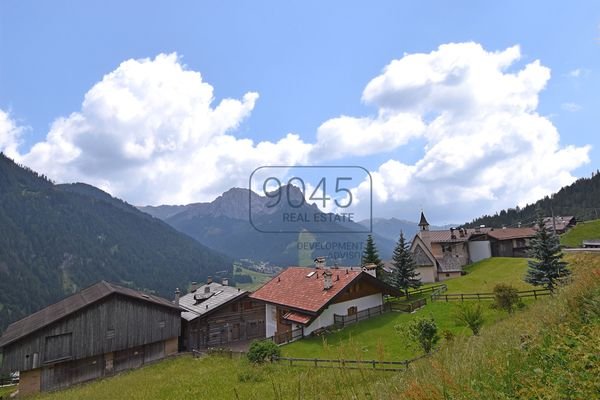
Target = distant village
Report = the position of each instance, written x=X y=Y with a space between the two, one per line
x=107 y=328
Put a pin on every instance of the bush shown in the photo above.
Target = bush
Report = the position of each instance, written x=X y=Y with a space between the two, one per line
x=422 y=331
x=471 y=316
x=262 y=350
x=506 y=297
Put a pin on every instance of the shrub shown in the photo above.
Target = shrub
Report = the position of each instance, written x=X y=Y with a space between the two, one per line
x=506 y=297
x=448 y=335
x=422 y=331
x=262 y=350
x=471 y=316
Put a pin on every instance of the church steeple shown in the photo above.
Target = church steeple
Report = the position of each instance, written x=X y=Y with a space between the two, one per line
x=423 y=224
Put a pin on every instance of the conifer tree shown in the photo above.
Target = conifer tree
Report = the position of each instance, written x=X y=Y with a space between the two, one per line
x=546 y=267
x=405 y=275
x=371 y=256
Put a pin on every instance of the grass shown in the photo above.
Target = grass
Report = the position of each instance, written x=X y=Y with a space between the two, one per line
x=580 y=232
x=5 y=391
x=550 y=350
x=483 y=275
x=258 y=279
x=376 y=338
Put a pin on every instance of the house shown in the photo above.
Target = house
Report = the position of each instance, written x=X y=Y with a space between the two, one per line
x=560 y=223
x=302 y=300
x=510 y=242
x=442 y=254
x=591 y=244
x=96 y=332
x=218 y=315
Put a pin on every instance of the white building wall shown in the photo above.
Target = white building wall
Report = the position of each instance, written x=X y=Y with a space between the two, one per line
x=427 y=274
x=479 y=250
x=326 y=317
x=270 y=319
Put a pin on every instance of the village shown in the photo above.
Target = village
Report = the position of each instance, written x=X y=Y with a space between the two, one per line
x=107 y=328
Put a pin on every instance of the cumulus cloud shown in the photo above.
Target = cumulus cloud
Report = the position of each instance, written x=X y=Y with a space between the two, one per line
x=150 y=132
x=485 y=142
x=10 y=134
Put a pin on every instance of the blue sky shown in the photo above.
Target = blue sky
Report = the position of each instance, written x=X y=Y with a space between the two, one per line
x=309 y=62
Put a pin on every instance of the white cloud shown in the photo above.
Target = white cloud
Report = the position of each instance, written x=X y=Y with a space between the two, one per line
x=150 y=133
x=575 y=73
x=486 y=145
x=10 y=134
x=571 y=107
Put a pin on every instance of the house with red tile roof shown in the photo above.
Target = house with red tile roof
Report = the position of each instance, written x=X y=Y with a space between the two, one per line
x=305 y=299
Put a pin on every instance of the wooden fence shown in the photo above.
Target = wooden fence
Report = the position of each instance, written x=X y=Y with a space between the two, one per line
x=408 y=307
x=435 y=288
x=344 y=320
x=349 y=364
x=286 y=337
x=227 y=353
x=487 y=296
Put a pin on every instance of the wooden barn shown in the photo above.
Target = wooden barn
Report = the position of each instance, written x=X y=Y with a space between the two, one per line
x=218 y=315
x=96 y=332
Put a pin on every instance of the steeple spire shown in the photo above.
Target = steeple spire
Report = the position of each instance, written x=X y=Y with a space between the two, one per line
x=423 y=224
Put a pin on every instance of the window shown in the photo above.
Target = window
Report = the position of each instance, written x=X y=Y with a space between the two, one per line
x=352 y=310
x=447 y=275
x=58 y=347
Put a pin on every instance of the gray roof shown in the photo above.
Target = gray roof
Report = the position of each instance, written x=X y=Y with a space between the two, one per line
x=71 y=304
x=208 y=298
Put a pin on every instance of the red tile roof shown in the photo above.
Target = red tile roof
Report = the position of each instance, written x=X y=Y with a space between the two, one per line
x=297 y=317
x=511 y=233
x=296 y=289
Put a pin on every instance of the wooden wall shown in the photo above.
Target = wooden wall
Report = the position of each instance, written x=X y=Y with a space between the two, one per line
x=114 y=324
x=243 y=319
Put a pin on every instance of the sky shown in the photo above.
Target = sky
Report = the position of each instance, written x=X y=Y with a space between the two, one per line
x=459 y=109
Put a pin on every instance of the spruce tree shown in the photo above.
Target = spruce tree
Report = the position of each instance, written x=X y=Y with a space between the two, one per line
x=371 y=256
x=405 y=275
x=546 y=267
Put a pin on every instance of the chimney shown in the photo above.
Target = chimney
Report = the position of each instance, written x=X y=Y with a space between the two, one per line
x=194 y=287
x=209 y=280
x=327 y=279
x=452 y=234
x=225 y=282
x=320 y=262
x=177 y=294
x=370 y=269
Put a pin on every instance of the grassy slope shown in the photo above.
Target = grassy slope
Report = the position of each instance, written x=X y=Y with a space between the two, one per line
x=257 y=279
x=581 y=231
x=482 y=276
x=550 y=350
x=6 y=391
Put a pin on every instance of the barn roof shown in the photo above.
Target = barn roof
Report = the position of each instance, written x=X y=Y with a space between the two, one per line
x=208 y=298
x=71 y=304
x=301 y=288
x=512 y=233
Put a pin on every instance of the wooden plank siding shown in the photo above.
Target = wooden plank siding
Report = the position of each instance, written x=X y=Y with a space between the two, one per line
x=112 y=324
x=243 y=319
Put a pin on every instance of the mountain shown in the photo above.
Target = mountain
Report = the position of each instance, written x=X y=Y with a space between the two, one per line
x=581 y=199
x=224 y=225
x=55 y=239
x=390 y=228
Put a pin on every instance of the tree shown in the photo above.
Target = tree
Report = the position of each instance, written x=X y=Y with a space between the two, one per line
x=546 y=267
x=262 y=350
x=471 y=316
x=405 y=275
x=371 y=256
x=422 y=331
x=506 y=297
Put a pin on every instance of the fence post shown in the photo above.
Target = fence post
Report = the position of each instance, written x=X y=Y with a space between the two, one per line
x=462 y=298
x=535 y=294
x=369 y=312
x=446 y=298
x=373 y=363
x=316 y=362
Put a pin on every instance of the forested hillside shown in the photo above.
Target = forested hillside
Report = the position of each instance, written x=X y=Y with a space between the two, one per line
x=580 y=199
x=55 y=239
